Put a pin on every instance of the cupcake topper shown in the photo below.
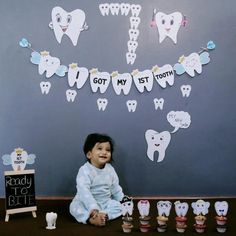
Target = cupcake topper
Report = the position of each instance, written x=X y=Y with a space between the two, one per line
x=221 y=208
x=143 y=207
x=127 y=206
x=200 y=207
x=181 y=208
x=163 y=208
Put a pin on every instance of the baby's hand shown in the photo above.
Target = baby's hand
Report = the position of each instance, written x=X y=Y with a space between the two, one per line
x=99 y=219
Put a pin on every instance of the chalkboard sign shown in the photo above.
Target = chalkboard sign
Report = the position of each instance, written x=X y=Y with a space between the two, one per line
x=20 y=192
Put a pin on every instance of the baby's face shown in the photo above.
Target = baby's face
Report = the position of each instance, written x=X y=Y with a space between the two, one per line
x=100 y=154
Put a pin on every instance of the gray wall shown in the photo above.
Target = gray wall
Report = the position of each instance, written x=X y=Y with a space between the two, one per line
x=199 y=161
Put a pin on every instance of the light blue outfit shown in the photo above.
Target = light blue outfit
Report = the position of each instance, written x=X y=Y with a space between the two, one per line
x=96 y=189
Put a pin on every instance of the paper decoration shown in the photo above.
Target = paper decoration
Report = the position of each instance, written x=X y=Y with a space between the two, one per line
x=68 y=23
x=102 y=104
x=143 y=80
x=127 y=206
x=181 y=208
x=211 y=45
x=179 y=119
x=221 y=208
x=70 y=95
x=114 y=8
x=124 y=8
x=158 y=103
x=157 y=142
x=131 y=105
x=144 y=208
x=121 y=82
x=200 y=207
x=163 y=208
x=186 y=90
x=51 y=218
x=45 y=87
x=18 y=159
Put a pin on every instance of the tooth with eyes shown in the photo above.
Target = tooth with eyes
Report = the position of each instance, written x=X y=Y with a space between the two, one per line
x=102 y=104
x=99 y=80
x=68 y=23
x=144 y=207
x=77 y=75
x=134 y=22
x=114 y=8
x=130 y=57
x=164 y=75
x=131 y=105
x=121 y=82
x=45 y=87
x=104 y=9
x=186 y=89
x=48 y=63
x=132 y=46
x=164 y=208
x=143 y=80
x=158 y=103
x=70 y=95
x=124 y=8
x=200 y=207
x=135 y=9
x=221 y=208
x=168 y=25
x=157 y=142
x=133 y=34
x=181 y=208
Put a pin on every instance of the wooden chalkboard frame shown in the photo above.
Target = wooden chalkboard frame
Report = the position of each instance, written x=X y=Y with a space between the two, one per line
x=21 y=209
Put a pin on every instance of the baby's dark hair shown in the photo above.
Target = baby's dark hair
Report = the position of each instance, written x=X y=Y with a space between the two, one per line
x=94 y=138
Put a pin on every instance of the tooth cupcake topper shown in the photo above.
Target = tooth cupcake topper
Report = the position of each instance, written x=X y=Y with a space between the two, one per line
x=181 y=208
x=127 y=206
x=200 y=207
x=221 y=208
x=163 y=208
x=143 y=207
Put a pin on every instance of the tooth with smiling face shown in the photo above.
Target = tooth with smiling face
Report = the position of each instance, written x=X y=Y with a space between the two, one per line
x=124 y=8
x=99 y=80
x=70 y=95
x=131 y=105
x=133 y=34
x=134 y=22
x=135 y=9
x=191 y=64
x=157 y=142
x=121 y=82
x=144 y=207
x=158 y=103
x=186 y=89
x=221 y=208
x=164 y=75
x=69 y=23
x=130 y=57
x=164 y=208
x=168 y=25
x=114 y=8
x=104 y=9
x=102 y=104
x=142 y=80
x=77 y=75
x=48 y=64
x=45 y=87
x=181 y=208
x=132 y=46
x=200 y=207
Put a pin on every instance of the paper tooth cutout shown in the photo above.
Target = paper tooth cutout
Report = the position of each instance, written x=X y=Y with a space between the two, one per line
x=68 y=23
x=45 y=87
x=134 y=22
x=181 y=208
x=144 y=207
x=164 y=75
x=143 y=80
x=132 y=46
x=185 y=90
x=168 y=25
x=163 y=208
x=135 y=9
x=157 y=142
x=200 y=207
x=158 y=103
x=99 y=80
x=131 y=105
x=51 y=218
x=18 y=159
x=102 y=104
x=77 y=75
x=70 y=95
x=127 y=206
x=124 y=8
x=114 y=8
x=133 y=34
x=104 y=9
x=179 y=119
x=221 y=208
x=130 y=57
x=121 y=82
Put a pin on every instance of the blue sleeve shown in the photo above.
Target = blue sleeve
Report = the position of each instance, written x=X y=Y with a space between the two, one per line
x=116 y=190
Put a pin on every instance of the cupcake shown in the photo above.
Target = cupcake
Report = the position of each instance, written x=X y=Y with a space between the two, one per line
x=221 y=228
x=127 y=228
x=181 y=228
x=221 y=220
x=127 y=220
x=145 y=228
x=162 y=220
x=180 y=220
x=144 y=220
x=200 y=220
x=162 y=228
x=200 y=228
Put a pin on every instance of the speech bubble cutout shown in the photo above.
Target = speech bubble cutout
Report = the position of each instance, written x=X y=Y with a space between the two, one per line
x=179 y=119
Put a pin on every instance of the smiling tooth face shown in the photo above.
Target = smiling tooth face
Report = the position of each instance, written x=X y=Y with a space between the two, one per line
x=168 y=25
x=158 y=103
x=102 y=104
x=185 y=89
x=221 y=208
x=70 y=95
x=144 y=207
x=131 y=105
x=143 y=80
x=124 y=8
x=69 y=23
x=127 y=206
x=200 y=207
x=99 y=80
x=45 y=87
x=157 y=142
x=192 y=63
x=122 y=82
x=181 y=208
x=104 y=9
x=130 y=57
x=163 y=208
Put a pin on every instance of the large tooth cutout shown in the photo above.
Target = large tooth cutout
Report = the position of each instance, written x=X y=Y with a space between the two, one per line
x=131 y=105
x=168 y=25
x=69 y=23
x=142 y=80
x=45 y=87
x=70 y=95
x=121 y=82
x=157 y=142
x=99 y=80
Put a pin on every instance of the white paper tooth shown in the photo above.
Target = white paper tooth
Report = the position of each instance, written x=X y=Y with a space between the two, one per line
x=70 y=95
x=181 y=208
x=68 y=23
x=77 y=75
x=104 y=9
x=121 y=82
x=124 y=8
x=99 y=80
x=131 y=105
x=135 y=9
x=158 y=103
x=114 y=8
x=144 y=207
x=48 y=63
x=200 y=207
x=186 y=89
x=168 y=25
x=45 y=87
x=133 y=34
x=132 y=46
x=191 y=64
x=130 y=57
x=221 y=208
x=143 y=80
x=164 y=75
x=134 y=22
x=164 y=208
x=102 y=104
